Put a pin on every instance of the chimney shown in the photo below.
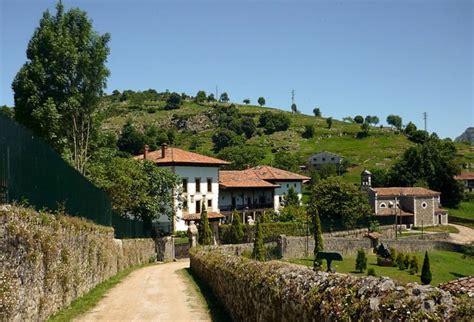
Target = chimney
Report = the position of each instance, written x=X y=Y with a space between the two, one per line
x=164 y=146
x=146 y=148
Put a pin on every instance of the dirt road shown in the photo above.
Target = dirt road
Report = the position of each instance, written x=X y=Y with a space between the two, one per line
x=465 y=235
x=155 y=293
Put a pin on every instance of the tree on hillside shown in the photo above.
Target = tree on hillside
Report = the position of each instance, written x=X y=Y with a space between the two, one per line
x=395 y=121
x=258 y=245
x=410 y=129
x=308 y=131
x=433 y=162
x=205 y=233
x=242 y=156
x=246 y=101
x=200 y=97
x=224 y=97
x=359 y=119
x=348 y=119
x=173 y=101
x=273 y=122
x=223 y=138
x=248 y=127
x=329 y=122
x=236 y=230
x=364 y=130
x=211 y=98
x=426 y=270
x=338 y=201
x=318 y=236
x=131 y=140
x=294 y=108
x=287 y=161
x=261 y=101
x=317 y=112
x=57 y=90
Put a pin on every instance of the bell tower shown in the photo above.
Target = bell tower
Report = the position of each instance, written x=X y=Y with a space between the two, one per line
x=365 y=180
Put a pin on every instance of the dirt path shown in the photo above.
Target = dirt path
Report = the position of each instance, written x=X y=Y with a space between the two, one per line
x=155 y=293
x=465 y=235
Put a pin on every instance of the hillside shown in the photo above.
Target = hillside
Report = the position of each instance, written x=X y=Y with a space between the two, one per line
x=466 y=136
x=193 y=121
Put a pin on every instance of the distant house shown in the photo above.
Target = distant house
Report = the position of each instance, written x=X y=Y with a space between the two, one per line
x=256 y=189
x=324 y=157
x=467 y=178
x=200 y=183
x=411 y=206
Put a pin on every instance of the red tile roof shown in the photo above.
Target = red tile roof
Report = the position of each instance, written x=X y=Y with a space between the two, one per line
x=275 y=174
x=210 y=215
x=460 y=286
x=242 y=179
x=405 y=191
x=465 y=176
x=178 y=156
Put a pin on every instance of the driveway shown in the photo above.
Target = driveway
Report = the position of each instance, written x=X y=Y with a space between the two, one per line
x=155 y=293
x=465 y=235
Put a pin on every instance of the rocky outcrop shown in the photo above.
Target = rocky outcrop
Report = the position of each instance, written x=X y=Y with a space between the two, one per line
x=468 y=136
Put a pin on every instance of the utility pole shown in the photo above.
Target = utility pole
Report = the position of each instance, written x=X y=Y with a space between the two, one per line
x=425 y=118
x=292 y=96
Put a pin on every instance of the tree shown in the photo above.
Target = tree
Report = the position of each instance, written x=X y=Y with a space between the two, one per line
x=205 y=232
x=211 y=98
x=236 y=231
x=248 y=127
x=338 y=201
x=379 y=177
x=327 y=170
x=242 y=156
x=361 y=261
x=224 y=97
x=131 y=140
x=261 y=101
x=200 y=97
x=7 y=111
x=246 y=101
x=329 y=122
x=348 y=119
x=308 y=131
x=364 y=130
x=425 y=270
x=273 y=122
x=57 y=90
x=410 y=129
x=359 y=119
x=395 y=121
x=287 y=161
x=258 y=246
x=173 y=101
x=317 y=112
x=414 y=265
x=294 y=108
x=223 y=138
x=291 y=198
x=318 y=236
x=372 y=119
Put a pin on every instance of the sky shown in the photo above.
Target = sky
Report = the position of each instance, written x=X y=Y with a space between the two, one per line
x=345 y=57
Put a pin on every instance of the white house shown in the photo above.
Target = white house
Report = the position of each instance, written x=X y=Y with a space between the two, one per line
x=324 y=157
x=200 y=184
x=257 y=189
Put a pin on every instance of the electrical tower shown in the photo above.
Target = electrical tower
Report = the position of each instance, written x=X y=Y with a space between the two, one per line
x=425 y=118
x=292 y=96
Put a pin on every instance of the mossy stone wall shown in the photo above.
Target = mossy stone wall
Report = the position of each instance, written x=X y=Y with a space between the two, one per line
x=47 y=261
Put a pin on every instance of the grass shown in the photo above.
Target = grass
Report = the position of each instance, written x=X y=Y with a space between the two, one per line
x=90 y=300
x=441 y=229
x=181 y=240
x=445 y=266
x=465 y=210
x=206 y=296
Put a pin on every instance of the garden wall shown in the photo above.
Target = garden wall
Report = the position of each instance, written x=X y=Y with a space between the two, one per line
x=47 y=260
x=277 y=291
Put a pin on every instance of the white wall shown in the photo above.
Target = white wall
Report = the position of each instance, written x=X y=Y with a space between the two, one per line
x=283 y=189
x=317 y=159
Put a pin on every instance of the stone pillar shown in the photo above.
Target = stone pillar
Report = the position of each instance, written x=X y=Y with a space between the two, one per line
x=192 y=234
x=165 y=248
x=281 y=245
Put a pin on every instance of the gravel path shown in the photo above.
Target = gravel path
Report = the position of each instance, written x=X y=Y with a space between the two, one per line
x=465 y=235
x=154 y=293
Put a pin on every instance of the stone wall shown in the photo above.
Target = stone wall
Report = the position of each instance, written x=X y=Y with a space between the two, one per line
x=385 y=231
x=47 y=261
x=277 y=291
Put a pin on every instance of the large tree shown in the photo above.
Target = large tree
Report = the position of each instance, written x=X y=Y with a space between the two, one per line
x=57 y=90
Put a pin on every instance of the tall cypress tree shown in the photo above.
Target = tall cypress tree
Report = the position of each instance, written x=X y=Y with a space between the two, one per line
x=426 y=271
x=236 y=231
x=318 y=237
x=205 y=232
x=258 y=246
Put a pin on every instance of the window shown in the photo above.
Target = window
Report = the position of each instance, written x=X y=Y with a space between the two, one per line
x=294 y=184
x=287 y=185
x=424 y=205
x=209 y=203
x=198 y=184
x=209 y=184
x=332 y=159
x=324 y=159
x=185 y=185
x=383 y=205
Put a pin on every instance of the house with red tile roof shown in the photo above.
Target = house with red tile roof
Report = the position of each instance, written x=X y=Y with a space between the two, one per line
x=200 y=184
x=467 y=178
x=256 y=189
x=411 y=206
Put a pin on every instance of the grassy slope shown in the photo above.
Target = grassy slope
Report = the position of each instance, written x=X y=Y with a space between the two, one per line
x=380 y=149
x=445 y=266
x=465 y=210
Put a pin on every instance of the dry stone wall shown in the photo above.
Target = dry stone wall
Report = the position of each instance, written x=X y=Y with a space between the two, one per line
x=277 y=291
x=47 y=261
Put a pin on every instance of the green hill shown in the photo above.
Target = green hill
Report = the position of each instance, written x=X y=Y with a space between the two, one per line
x=194 y=123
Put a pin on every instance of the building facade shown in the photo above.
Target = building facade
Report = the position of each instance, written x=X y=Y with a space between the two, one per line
x=467 y=179
x=324 y=157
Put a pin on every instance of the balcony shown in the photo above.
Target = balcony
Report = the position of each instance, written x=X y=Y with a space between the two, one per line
x=251 y=207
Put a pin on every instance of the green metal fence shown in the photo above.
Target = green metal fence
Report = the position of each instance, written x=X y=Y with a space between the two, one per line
x=33 y=172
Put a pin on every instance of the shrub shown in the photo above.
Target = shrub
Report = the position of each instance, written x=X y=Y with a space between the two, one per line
x=414 y=265
x=361 y=261
x=205 y=232
x=406 y=261
x=399 y=261
x=236 y=231
x=273 y=122
x=318 y=237
x=258 y=246
x=426 y=271
x=270 y=230
x=371 y=272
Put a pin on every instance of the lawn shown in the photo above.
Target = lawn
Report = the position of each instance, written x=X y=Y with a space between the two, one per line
x=445 y=266
x=439 y=229
x=465 y=210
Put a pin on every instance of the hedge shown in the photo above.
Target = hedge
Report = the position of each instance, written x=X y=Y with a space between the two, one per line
x=270 y=231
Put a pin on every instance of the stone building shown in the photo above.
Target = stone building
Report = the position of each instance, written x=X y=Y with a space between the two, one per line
x=467 y=178
x=411 y=206
x=324 y=157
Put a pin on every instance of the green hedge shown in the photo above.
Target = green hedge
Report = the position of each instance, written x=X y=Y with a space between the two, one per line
x=270 y=231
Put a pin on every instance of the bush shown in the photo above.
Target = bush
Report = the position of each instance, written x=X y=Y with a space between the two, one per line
x=273 y=122
x=426 y=270
x=361 y=261
x=269 y=230
x=236 y=231
x=399 y=261
x=414 y=265
x=371 y=272
x=406 y=261
x=258 y=245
